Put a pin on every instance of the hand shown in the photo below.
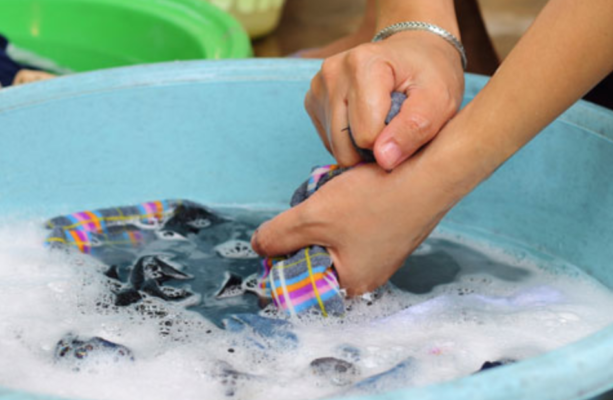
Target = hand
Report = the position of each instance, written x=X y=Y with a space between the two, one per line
x=353 y=89
x=28 y=76
x=369 y=220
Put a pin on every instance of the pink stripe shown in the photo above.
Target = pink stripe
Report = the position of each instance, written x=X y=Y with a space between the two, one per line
x=305 y=295
x=82 y=235
x=309 y=296
x=320 y=284
x=80 y=216
x=150 y=208
x=89 y=226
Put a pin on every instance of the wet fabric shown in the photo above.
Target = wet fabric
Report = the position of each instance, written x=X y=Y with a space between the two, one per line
x=302 y=282
x=306 y=281
x=76 y=352
x=132 y=226
x=119 y=236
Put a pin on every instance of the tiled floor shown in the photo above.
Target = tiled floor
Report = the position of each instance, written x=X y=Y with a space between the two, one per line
x=313 y=23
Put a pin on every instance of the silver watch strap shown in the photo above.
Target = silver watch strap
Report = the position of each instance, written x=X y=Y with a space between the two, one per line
x=423 y=26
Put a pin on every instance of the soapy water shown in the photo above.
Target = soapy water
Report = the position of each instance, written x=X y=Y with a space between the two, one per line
x=456 y=304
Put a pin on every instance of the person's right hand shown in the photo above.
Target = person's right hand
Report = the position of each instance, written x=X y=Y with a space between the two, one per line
x=368 y=220
x=354 y=88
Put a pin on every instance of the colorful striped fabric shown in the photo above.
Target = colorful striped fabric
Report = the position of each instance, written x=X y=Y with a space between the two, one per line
x=129 y=226
x=305 y=281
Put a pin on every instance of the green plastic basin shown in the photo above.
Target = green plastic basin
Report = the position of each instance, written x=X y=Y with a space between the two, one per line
x=85 y=35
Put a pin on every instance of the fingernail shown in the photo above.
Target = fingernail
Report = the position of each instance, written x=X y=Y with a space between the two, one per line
x=390 y=155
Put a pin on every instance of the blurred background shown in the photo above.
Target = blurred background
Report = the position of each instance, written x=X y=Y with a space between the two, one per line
x=40 y=39
x=314 y=23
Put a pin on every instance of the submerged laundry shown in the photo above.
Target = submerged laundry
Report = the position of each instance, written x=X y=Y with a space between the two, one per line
x=77 y=353
x=127 y=236
x=479 y=305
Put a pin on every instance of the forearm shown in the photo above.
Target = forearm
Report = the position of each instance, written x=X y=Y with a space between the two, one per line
x=438 y=12
x=565 y=53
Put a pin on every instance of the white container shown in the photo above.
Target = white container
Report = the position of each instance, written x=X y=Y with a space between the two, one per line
x=258 y=17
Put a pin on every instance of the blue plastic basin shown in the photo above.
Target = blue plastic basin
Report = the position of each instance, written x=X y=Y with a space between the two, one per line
x=236 y=132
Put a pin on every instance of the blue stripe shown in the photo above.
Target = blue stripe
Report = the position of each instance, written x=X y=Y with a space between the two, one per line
x=306 y=305
x=143 y=211
x=313 y=302
x=101 y=221
x=73 y=219
x=165 y=206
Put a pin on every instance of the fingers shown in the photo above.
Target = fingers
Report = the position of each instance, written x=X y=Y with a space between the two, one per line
x=342 y=148
x=353 y=90
x=326 y=104
x=288 y=232
x=314 y=102
x=369 y=96
x=421 y=117
x=333 y=99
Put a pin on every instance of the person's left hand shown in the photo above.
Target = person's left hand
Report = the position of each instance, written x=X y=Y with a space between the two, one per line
x=353 y=89
x=368 y=219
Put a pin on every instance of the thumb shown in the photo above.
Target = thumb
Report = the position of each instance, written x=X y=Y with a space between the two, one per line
x=420 y=118
x=283 y=234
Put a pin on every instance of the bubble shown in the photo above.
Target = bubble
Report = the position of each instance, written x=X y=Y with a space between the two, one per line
x=493 y=305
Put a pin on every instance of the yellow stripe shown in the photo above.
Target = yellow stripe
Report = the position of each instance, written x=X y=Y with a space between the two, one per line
x=56 y=239
x=321 y=304
x=284 y=266
x=116 y=218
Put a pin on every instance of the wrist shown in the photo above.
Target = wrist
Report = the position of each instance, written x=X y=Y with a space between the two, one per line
x=461 y=157
x=435 y=40
x=439 y=12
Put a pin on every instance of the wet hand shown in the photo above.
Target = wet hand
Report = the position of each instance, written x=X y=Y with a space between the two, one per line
x=369 y=220
x=353 y=89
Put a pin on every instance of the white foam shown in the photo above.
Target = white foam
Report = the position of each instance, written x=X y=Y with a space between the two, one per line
x=238 y=249
x=444 y=334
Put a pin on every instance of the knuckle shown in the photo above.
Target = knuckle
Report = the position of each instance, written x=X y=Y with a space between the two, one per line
x=454 y=102
x=329 y=70
x=348 y=160
x=448 y=102
x=364 y=141
x=309 y=105
x=262 y=244
x=361 y=56
x=419 y=128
